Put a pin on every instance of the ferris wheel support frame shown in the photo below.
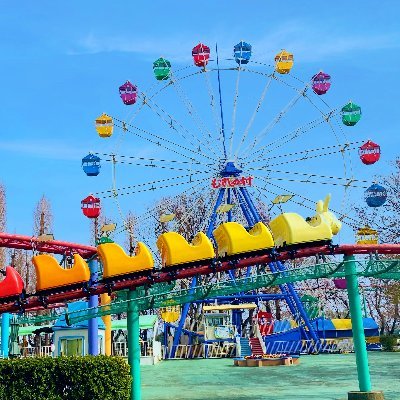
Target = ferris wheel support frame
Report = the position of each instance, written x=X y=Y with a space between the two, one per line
x=252 y=216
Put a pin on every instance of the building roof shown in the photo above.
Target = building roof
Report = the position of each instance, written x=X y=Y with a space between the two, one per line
x=145 y=322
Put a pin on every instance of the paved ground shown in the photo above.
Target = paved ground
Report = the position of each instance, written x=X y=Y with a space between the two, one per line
x=323 y=377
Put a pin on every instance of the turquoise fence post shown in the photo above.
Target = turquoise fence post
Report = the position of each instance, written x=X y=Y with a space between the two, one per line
x=134 y=345
x=5 y=334
x=360 y=348
x=93 y=325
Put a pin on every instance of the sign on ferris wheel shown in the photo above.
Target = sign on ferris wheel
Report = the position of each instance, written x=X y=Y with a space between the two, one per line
x=231 y=182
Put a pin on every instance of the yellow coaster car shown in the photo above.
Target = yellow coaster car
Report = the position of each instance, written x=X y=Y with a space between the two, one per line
x=291 y=228
x=174 y=248
x=232 y=238
x=116 y=262
x=49 y=274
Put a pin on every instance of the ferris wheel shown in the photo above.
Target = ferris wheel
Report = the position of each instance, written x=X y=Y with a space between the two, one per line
x=245 y=135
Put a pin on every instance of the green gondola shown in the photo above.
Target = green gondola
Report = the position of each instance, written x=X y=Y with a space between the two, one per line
x=162 y=69
x=351 y=114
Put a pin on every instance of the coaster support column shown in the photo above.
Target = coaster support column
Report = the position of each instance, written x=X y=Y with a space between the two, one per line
x=5 y=334
x=360 y=348
x=134 y=345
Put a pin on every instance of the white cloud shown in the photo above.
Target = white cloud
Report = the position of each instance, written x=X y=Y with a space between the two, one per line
x=309 y=42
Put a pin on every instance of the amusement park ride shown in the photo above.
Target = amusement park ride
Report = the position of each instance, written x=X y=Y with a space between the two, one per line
x=236 y=236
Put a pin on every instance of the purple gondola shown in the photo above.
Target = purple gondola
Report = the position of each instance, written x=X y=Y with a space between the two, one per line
x=128 y=93
x=321 y=83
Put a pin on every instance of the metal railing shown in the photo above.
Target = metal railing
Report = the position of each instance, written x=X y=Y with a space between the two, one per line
x=308 y=346
x=121 y=349
x=201 y=350
x=42 y=351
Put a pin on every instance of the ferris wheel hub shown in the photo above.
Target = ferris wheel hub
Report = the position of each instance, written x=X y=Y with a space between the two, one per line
x=230 y=170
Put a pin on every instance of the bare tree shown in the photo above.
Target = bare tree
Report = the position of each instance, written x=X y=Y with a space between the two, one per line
x=130 y=230
x=383 y=296
x=385 y=218
x=42 y=217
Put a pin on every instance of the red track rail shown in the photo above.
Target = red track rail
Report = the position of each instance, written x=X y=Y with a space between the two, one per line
x=51 y=246
x=165 y=276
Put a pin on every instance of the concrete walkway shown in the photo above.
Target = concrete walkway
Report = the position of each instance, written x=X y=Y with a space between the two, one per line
x=322 y=377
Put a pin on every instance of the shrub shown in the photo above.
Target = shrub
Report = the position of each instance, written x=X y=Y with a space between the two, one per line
x=65 y=378
x=388 y=342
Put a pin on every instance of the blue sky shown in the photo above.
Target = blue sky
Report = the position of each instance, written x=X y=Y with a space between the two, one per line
x=62 y=65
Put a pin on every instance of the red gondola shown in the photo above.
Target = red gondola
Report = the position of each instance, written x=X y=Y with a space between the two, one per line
x=369 y=152
x=12 y=284
x=91 y=206
x=201 y=55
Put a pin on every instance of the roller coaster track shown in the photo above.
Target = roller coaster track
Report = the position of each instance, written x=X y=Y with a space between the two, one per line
x=51 y=246
x=382 y=268
x=386 y=269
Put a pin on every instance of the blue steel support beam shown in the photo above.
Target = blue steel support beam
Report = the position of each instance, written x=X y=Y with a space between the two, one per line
x=292 y=306
x=243 y=206
x=214 y=214
x=228 y=200
x=300 y=308
x=250 y=204
x=184 y=313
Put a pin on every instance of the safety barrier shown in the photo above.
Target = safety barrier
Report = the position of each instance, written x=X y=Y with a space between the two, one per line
x=42 y=351
x=201 y=350
x=305 y=347
x=121 y=349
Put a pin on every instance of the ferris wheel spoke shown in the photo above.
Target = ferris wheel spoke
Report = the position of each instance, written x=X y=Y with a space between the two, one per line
x=119 y=191
x=173 y=123
x=217 y=120
x=235 y=102
x=253 y=117
x=306 y=154
x=251 y=61
x=271 y=125
x=153 y=159
x=289 y=137
x=312 y=177
x=192 y=112
x=159 y=140
x=153 y=162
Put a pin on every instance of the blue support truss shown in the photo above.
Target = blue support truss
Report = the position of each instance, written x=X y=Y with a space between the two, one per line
x=288 y=292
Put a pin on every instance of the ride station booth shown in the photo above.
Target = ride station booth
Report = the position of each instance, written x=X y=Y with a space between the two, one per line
x=73 y=340
x=222 y=326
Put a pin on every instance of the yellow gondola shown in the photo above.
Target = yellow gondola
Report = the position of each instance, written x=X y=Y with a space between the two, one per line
x=104 y=125
x=367 y=235
x=283 y=62
x=170 y=313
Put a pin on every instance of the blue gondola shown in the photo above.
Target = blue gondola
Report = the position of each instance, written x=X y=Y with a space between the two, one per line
x=91 y=165
x=375 y=195
x=242 y=52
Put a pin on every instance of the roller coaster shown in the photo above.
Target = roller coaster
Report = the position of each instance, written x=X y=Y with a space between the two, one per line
x=237 y=248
